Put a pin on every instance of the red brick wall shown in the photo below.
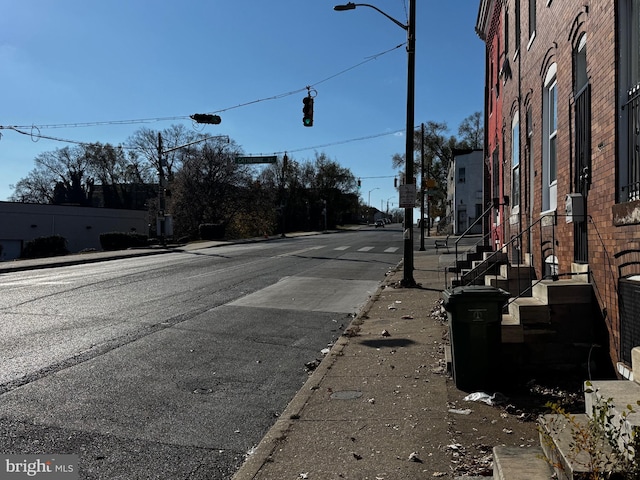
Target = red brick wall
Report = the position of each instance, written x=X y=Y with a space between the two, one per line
x=559 y=26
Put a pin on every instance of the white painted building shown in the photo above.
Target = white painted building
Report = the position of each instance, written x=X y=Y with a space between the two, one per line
x=80 y=226
x=464 y=191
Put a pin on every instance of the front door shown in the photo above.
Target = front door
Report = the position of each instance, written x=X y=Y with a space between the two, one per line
x=582 y=172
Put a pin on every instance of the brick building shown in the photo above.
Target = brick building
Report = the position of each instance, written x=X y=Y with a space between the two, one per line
x=562 y=154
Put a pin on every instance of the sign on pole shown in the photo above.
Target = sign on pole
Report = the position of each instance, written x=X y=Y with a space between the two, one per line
x=251 y=160
x=407 y=195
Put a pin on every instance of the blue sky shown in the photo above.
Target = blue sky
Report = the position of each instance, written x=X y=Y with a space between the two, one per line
x=69 y=64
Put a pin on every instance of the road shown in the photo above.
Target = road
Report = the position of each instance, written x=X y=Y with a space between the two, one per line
x=175 y=365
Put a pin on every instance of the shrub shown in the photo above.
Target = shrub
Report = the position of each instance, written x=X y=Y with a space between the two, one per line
x=42 y=247
x=122 y=240
x=604 y=445
x=211 y=231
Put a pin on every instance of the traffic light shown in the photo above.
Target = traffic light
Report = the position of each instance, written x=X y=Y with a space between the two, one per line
x=359 y=183
x=395 y=182
x=206 y=118
x=307 y=110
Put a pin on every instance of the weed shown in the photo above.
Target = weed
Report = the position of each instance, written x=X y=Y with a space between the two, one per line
x=605 y=445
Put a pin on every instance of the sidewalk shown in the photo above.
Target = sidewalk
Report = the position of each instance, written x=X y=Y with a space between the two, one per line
x=374 y=401
x=381 y=406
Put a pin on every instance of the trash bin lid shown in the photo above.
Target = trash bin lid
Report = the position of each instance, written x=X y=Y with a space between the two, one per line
x=475 y=292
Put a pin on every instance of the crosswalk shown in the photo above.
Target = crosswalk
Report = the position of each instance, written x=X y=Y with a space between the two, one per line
x=344 y=248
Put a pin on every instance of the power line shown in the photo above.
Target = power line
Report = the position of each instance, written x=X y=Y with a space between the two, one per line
x=341 y=142
x=185 y=117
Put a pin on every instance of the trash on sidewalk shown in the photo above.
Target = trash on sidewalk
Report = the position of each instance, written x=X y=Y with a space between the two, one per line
x=460 y=411
x=493 y=400
x=414 y=457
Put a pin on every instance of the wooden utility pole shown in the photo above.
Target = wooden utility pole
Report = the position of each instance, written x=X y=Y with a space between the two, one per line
x=161 y=197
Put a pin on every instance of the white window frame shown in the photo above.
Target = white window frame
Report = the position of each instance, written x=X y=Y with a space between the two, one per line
x=515 y=164
x=549 y=147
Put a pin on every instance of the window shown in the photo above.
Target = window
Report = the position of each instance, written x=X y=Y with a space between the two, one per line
x=549 y=151
x=462 y=175
x=495 y=178
x=532 y=20
x=517 y=27
x=580 y=68
x=505 y=33
x=629 y=166
x=552 y=92
x=515 y=163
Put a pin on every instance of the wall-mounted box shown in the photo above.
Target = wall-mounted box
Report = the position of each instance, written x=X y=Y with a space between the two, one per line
x=574 y=207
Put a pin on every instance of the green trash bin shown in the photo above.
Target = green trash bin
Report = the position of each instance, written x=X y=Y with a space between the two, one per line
x=475 y=317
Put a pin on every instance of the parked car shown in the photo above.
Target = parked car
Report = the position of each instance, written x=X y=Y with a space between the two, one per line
x=379 y=223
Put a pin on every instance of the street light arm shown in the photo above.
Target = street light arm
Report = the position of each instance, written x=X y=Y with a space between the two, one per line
x=352 y=6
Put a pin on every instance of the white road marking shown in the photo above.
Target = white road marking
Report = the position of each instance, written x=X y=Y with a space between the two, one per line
x=298 y=252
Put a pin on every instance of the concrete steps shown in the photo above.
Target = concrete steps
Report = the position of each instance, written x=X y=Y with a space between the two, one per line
x=511 y=463
x=530 y=310
x=562 y=455
x=563 y=292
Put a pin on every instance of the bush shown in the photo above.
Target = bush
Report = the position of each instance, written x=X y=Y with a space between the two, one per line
x=43 y=247
x=122 y=240
x=211 y=231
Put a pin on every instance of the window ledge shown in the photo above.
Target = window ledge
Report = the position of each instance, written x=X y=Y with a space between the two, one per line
x=627 y=213
x=548 y=218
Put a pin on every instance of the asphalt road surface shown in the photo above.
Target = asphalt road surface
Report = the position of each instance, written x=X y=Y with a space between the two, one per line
x=174 y=366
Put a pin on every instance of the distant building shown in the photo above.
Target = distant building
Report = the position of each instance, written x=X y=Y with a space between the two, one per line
x=464 y=192
x=80 y=226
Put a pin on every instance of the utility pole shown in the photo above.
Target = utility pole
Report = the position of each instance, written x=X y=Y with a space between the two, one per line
x=161 y=197
x=422 y=190
x=283 y=203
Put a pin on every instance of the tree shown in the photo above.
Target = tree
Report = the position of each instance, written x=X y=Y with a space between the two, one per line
x=61 y=176
x=439 y=148
x=144 y=143
x=471 y=132
x=87 y=174
x=209 y=187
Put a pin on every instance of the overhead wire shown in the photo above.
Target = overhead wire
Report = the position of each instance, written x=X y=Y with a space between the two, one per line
x=184 y=117
x=35 y=130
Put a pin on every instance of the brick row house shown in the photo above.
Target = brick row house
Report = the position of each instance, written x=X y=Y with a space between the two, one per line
x=562 y=152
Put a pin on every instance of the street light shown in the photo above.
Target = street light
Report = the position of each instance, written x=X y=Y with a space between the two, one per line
x=369 y=203
x=410 y=28
x=377 y=188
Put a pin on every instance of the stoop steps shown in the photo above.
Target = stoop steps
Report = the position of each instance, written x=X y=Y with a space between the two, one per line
x=551 y=322
x=555 y=458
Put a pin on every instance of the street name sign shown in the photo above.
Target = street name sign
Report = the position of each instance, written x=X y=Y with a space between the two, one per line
x=251 y=160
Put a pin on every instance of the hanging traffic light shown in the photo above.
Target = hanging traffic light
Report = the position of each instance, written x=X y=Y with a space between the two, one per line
x=307 y=111
x=359 y=183
x=206 y=118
